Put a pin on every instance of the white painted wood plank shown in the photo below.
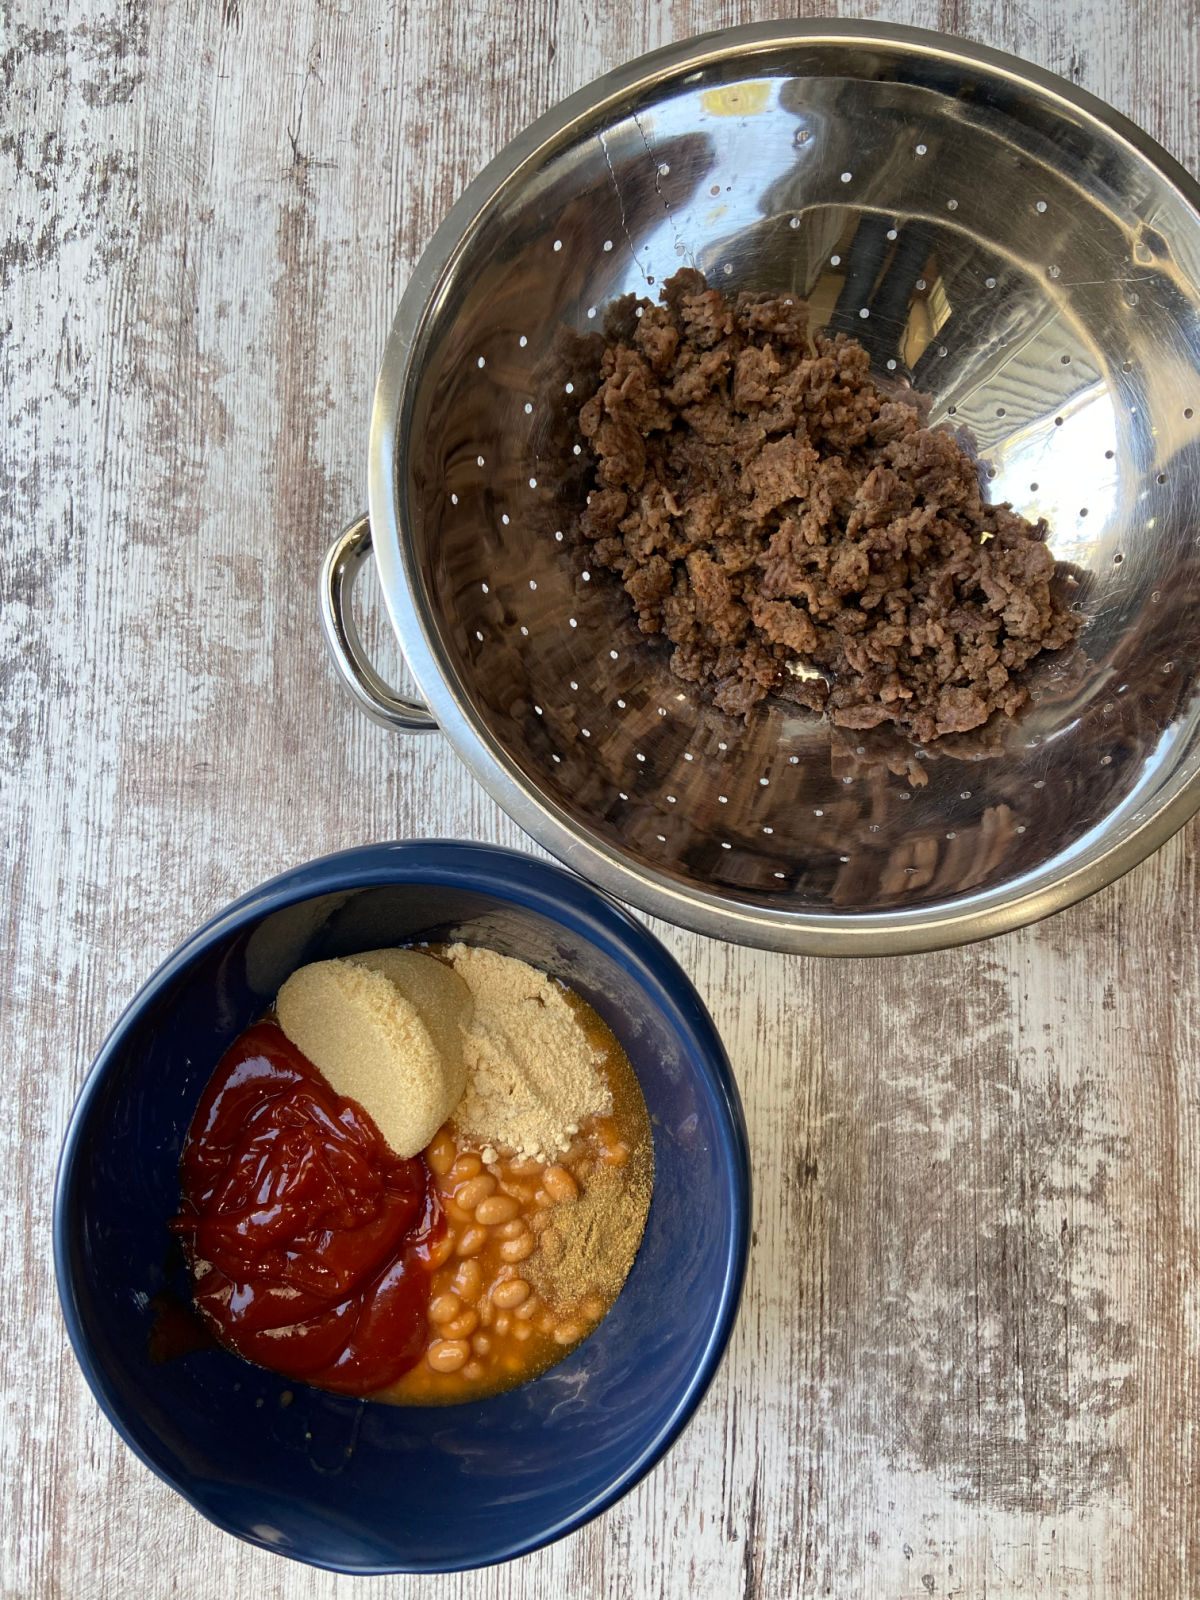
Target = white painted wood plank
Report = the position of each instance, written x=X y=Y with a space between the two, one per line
x=968 y=1359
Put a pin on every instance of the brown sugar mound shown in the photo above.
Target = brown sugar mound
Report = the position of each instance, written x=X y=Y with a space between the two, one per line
x=384 y=1029
x=794 y=531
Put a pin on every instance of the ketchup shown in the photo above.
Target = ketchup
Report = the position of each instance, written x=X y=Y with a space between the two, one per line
x=307 y=1239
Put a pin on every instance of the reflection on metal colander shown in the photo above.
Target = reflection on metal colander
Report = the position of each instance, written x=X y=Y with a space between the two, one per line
x=1000 y=242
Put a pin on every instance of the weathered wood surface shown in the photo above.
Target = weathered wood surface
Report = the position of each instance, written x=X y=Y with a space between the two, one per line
x=969 y=1357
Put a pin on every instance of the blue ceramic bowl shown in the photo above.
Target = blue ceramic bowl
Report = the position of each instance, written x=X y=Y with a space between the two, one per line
x=354 y=1485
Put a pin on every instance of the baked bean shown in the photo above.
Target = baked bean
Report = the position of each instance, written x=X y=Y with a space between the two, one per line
x=519 y=1191
x=592 y=1307
x=504 y=1323
x=440 y=1251
x=455 y=1212
x=522 y=1331
x=471 y=1241
x=510 y=1294
x=445 y=1308
x=447 y=1355
x=496 y=1208
x=616 y=1156
x=546 y=1323
x=441 y=1154
x=517 y=1249
x=527 y=1308
x=467 y=1166
x=511 y=1230
x=462 y=1326
x=568 y=1333
x=468 y=1280
x=469 y=1194
x=485 y=1313
x=541 y=1198
x=481 y=1344
x=473 y=1370
x=559 y=1184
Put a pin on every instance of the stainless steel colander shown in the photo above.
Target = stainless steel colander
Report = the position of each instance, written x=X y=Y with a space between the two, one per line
x=999 y=240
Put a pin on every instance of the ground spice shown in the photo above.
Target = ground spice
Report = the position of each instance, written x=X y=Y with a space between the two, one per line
x=591 y=1242
x=532 y=1073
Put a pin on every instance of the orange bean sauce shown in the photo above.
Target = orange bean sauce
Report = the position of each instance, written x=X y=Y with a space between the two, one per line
x=489 y=1328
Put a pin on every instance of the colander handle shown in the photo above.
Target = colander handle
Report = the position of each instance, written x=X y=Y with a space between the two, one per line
x=368 y=690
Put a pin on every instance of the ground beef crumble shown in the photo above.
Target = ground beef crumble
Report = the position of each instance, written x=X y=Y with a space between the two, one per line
x=794 y=531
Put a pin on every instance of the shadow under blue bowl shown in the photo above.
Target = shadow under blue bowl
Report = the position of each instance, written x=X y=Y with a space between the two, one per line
x=354 y=1485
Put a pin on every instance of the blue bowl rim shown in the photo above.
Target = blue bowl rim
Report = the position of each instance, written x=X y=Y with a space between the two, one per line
x=562 y=897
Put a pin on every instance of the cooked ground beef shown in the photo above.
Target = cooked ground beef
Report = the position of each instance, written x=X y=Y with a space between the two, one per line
x=795 y=531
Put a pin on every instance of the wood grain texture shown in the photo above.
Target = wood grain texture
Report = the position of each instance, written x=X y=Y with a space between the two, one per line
x=969 y=1357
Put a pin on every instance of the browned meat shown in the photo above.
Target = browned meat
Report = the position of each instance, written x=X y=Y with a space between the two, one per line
x=767 y=507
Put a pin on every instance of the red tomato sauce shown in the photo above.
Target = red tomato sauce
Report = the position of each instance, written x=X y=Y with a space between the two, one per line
x=306 y=1238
